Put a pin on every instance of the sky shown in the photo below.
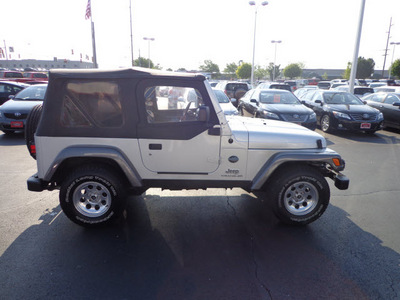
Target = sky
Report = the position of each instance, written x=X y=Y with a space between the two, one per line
x=315 y=33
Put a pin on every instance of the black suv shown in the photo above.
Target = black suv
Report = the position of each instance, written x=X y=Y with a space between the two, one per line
x=233 y=89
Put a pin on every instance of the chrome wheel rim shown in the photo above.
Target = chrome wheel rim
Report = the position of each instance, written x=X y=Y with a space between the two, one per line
x=300 y=198
x=325 y=123
x=92 y=199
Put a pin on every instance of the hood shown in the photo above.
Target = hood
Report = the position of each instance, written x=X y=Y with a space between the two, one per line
x=353 y=109
x=229 y=109
x=271 y=134
x=287 y=108
x=18 y=106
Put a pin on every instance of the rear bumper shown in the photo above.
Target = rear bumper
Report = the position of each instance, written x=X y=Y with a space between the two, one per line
x=35 y=184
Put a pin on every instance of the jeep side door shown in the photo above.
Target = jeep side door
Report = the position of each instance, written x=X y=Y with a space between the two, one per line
x=174 y=135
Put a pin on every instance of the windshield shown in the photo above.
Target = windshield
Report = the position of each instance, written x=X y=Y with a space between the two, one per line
x=272 y=97
x=32 y=93
x=342 y=98
x=222 y=98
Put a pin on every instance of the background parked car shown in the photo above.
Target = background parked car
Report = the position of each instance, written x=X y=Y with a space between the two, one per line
x=292 y=83
x=358 y=90
x=8 y=88
x=276 y=104
x=389 y=105
x=233 y=89
x=342 y=111
x=274 y=85
x=325 y=85
x=14 y=112
x=304 y=89
x=226 y=103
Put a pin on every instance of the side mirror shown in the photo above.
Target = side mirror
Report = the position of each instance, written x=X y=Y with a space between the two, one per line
x=396 y=104
x=204 y=113
x=303 y=102
x=319 y=101
x=254 y=101
x=11 y=97
x=233 y=100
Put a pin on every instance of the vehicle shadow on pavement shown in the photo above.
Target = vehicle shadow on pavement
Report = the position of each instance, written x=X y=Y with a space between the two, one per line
x=199 y=247
x=15 y=139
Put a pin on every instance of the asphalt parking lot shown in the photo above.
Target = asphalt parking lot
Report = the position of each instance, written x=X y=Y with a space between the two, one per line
x=213 y=244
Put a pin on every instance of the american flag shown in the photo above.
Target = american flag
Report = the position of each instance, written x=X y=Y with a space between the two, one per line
x=88 y=10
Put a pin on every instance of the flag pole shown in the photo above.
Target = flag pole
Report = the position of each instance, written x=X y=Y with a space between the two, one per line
x=94 y=45
x=87 y=15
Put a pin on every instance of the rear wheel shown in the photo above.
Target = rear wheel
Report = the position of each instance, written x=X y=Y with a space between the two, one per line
x=92 y=196
x=299 y=195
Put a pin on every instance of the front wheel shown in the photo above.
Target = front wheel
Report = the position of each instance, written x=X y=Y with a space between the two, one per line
x=326 y=125
x=92 y=196
x=299 y=195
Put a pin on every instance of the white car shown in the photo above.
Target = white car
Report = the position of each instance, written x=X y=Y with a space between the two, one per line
x=226 y=103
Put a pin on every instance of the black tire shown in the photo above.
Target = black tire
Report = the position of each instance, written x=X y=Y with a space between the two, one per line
x=92 y=196
x=326 y=123
x=30 y=128
x=299 y=195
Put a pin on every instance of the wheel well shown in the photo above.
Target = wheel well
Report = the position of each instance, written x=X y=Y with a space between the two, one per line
x=68 y=165
x=293 y=164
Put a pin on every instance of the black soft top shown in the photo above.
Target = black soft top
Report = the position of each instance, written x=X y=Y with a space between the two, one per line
x=134 y=72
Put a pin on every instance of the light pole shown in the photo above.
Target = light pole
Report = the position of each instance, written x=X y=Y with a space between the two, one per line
x=394 y=46
x=273 y=74
x=149 y=40
x=253 y=3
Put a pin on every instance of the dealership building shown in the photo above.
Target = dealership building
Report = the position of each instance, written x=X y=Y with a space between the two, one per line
x=22 y=64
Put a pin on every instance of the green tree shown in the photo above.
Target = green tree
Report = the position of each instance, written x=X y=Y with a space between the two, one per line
x=231 y=68
x=365 y=68
x=209 y=67
x=143 y=62
x=244 y=71
x=395 y=68
x=347 y=72
x=270 y=71
x=260 y=73
x=292 y=71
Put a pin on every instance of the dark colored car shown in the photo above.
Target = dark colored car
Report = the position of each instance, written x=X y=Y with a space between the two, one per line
x=325 y=85
x=276 y=105
x=233 y=89
x=9 y=88
x=342 y=111
x=389 y=105
x=274 y=85
x=14 y=112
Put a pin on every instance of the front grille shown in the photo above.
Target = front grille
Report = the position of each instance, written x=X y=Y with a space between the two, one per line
x=364 y=117
x=294 y=117
x=14 y=117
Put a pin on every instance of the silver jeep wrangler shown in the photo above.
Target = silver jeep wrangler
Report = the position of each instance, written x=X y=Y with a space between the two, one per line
x=102 y=135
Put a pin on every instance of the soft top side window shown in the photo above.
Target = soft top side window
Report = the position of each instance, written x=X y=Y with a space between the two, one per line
x=170 y=104
x=91 y=103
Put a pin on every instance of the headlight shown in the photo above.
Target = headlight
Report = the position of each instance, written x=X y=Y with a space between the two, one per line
x=341 y=115
x=269 y=115
x=380 y=116
x=313 y=117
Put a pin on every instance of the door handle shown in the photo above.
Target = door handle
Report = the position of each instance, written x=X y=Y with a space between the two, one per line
x=155 y=146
